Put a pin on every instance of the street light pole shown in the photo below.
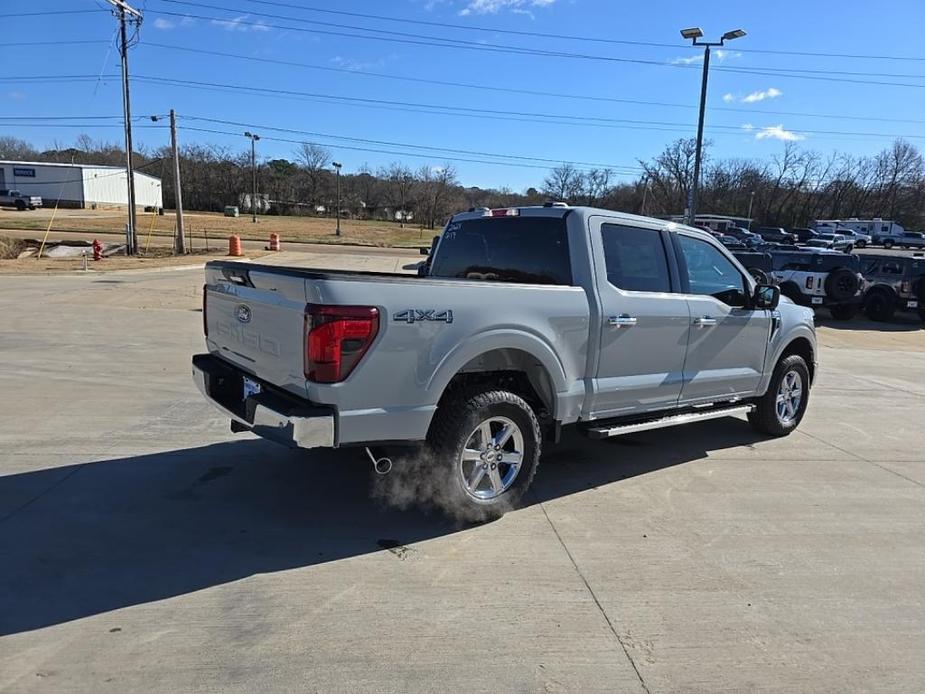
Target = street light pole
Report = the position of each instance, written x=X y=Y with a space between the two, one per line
x=337 y=166
x=694 y=34
x=751 y=201
x=253 y=138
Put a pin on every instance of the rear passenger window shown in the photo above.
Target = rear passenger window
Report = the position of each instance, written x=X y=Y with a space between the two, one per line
x=635 y=259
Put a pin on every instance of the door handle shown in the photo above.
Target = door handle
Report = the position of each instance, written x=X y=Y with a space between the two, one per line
x=704 y=322
x=622 y=321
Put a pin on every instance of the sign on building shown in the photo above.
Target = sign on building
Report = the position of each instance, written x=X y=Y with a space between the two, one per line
x=26 y=173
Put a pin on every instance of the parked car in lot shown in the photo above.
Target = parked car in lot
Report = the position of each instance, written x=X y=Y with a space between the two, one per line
x=858 y=239
x=803 y=234
x=731 y=242
x=759 y=265
x=820 y=278
x=528 y=319
x=13 y=198
x=895 y=283
x=776 y=234
x=835 y=242
x=743 y=235
x=908 y=239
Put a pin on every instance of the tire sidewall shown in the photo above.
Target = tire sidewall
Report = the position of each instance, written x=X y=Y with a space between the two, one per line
x=791 y=363
x=476 y=412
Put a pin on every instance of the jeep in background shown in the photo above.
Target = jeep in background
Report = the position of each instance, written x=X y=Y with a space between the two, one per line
x=13 y=198
x=895 y=283
x=820 y=278
x=528 y=319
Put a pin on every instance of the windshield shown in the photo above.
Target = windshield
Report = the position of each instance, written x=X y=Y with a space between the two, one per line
x=532 y=250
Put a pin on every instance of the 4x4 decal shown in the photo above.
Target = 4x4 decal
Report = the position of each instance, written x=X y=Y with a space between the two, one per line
x=415 y=315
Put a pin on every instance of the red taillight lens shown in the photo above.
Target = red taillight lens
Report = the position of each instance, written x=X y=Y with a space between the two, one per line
x=504 y=212
x=809 y=282
x=905 y=287
x=205 y=320
x=336 y=339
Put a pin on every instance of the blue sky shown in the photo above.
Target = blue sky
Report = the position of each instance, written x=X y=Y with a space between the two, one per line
x=812 y=109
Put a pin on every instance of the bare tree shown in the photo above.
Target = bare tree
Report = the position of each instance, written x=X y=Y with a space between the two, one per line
x=399 y=181
x=563 y=183
x=314 y=160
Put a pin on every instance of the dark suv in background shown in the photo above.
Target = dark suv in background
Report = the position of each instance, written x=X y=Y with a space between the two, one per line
x=894 y=283
x=776 y=234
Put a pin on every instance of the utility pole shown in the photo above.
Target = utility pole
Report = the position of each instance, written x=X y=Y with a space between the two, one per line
x=645 y=194
x=694 y=34
x=180 y=238
x=337 y=166
x=253 y=138
x=134 y=16
x=751 y=201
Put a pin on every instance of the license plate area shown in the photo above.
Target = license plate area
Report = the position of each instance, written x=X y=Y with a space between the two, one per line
x=249 y=388
x=912 y=304
x=817 y=300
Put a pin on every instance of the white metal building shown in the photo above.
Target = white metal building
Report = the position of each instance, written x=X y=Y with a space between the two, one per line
x=79 y=185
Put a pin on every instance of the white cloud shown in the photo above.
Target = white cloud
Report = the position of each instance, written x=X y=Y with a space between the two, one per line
x=165 y=24
x=748 y=126
x=496 y=6
x=357 y=65
x=16 y=96
x=729 y=98
x=777 y=132
x=241 y=24
x=761 y=95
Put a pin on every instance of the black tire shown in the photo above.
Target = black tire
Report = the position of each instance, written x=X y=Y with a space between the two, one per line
x=760 y=276
x=918 y=288
x=843 y=311
x=879 y=306
x=791 y=291
x=922 y=314
x=765 y=416
x=20 y=205
x=861 y=243
x=888 y=243
x=455 y=423
x=841 y=284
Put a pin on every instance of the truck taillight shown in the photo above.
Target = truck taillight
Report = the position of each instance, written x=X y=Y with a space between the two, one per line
x=906 y=287
x=336 y=338
x=809 y=282
x=205 y=319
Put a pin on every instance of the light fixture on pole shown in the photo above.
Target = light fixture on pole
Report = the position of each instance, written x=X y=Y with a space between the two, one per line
x=337 y=166
x=253 y=138
x=694 y=34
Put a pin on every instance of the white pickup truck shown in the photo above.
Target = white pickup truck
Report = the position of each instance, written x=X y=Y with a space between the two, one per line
x=523 y=321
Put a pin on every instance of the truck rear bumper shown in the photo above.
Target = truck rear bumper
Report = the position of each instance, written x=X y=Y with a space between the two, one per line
x=269 y=414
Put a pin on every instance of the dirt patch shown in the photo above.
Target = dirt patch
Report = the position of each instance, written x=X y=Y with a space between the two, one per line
x=155 y=258
x=11 y=248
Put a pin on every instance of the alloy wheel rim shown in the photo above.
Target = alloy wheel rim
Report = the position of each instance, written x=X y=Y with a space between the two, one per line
x=789 y=397
x=491 y=458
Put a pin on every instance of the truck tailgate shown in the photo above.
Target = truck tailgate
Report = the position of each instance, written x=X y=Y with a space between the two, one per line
x=256 y=320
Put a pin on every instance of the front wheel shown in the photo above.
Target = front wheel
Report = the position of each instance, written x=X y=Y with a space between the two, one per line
x=888 y=243
x=780 y=410
x=487 y=444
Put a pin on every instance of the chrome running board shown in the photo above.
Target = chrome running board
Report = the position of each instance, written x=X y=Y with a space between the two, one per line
x=605 y=432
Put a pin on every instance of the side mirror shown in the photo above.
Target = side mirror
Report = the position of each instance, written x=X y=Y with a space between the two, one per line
x=766 y=296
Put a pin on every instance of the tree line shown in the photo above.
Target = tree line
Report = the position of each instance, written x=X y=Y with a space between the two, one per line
x=792 y=188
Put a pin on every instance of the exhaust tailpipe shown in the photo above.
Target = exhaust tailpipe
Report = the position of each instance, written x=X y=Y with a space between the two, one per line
x=382 y=466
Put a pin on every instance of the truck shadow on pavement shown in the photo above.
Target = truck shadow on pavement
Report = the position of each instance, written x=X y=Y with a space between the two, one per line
x=82 y=540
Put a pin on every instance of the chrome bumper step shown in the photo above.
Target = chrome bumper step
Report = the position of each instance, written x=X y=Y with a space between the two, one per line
x=606 y=432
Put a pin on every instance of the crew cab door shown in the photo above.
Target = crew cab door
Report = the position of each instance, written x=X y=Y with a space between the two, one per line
x=728 y=339
x=643 y=325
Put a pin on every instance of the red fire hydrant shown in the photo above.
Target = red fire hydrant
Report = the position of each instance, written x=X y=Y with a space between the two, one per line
x=97 y=250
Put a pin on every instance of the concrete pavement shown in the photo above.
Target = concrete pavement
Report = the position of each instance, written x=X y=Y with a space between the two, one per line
x=143 y=547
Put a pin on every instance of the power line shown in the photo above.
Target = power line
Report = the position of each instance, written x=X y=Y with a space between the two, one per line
x=531 y=92
x=376 y=151
x=442 y=42
x=405 y=144
x=561 y=119
x=21 y=15
x=568 y=37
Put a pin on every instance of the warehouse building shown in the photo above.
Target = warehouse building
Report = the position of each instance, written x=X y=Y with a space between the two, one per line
x=79 y=185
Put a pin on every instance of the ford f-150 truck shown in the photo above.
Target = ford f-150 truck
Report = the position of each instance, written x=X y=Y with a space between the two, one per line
x=522 y=321
x=13 y=198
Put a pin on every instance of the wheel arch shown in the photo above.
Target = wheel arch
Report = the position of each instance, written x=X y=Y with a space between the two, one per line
x=802 y=347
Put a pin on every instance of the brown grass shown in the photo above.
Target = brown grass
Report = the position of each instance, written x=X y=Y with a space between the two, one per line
x=216 y=227
x=156 y=258
x=10 y=248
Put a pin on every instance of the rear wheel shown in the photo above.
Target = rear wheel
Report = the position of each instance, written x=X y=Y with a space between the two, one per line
x=879 y=306
x=888 y=243
x=791 y=291
x=759 y=275
x=487 y=444
x=780 y=410
x=20 y=205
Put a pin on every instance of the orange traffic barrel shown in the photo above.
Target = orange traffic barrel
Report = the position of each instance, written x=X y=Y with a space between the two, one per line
x=274 y=242
x=234 y=245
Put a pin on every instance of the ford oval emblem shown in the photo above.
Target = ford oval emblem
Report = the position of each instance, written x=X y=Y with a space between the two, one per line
x=243 y=313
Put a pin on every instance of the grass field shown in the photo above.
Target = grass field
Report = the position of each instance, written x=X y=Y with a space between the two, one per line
x=202 y=225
